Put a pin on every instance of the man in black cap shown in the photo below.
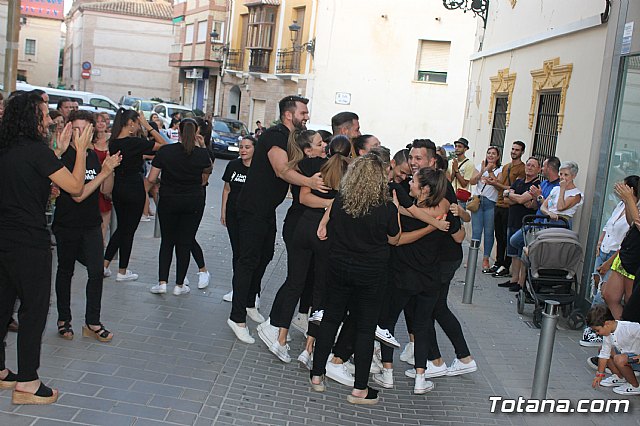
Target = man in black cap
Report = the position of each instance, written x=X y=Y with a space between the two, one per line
x=460 y=169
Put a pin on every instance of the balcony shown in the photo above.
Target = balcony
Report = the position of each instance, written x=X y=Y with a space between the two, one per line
x=288 y=61
x=235 y=59
x=259 y=60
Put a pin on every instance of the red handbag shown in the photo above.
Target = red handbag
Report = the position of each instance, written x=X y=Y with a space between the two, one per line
x=463 y=195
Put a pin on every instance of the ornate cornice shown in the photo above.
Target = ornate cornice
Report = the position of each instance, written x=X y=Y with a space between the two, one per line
x=501 y=84
x=552 y=76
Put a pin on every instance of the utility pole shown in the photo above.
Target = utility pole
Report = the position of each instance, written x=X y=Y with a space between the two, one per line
x=13 y=43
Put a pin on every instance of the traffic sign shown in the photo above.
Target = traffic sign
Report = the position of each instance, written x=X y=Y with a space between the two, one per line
x=86 y=75
x=86 y=65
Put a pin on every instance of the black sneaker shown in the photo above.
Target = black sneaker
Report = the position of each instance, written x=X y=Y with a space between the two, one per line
x=506 y=284
x=515 y=287
x=491 y=270
x=593 y=363
x=501 y=272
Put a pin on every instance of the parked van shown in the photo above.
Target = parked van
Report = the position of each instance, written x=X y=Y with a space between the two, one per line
x=86 y=100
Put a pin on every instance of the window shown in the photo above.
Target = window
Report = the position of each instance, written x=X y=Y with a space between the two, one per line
x=101 y=103
x=30 y=47
x=546 y=136
x=433 y=61
x=499 y=127
x=218 y=27
x=202 y=32
x=262 y=20
x=188 y=34
x=299 y=12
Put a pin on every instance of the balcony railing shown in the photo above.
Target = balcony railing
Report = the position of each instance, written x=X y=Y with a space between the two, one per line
x=288 y=61
x=259 y=61
x=235 y=59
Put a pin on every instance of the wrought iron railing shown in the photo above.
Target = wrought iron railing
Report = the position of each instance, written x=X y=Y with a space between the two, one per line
x=235 y=59
x=288 y=61
x=259 y=61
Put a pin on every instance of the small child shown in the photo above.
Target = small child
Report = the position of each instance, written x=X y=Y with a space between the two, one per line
x=620 y=339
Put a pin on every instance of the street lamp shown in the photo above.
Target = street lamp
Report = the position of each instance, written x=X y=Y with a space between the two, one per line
x=309 y=46
x=478 y=7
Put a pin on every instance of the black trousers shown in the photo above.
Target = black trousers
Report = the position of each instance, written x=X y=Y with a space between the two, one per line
x=305 y=248
x=25 y=273
x=196 y=250
x=400 y=299
x=288 y=229
x=256 y=239
x=128 y=203
x=357 y=287
x=84 y=246
x=179 y=220
x=500 y=219
x=447 y=320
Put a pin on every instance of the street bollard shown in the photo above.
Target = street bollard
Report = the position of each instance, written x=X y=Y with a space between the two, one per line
x=470 y=278
x=113 y=224
x=545 y=349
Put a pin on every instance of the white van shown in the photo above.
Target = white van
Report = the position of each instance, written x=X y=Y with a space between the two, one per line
x=86 y=100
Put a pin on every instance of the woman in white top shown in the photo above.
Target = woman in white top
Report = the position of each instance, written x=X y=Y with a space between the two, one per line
x=564 y=199
x=482 y=220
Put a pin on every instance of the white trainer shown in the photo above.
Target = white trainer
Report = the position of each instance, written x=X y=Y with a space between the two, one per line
x=301 y=323
x=268 y=333
x=458 y=367
x=228 y=297
x=422 y=385
x=411 y=373
x=407 y=353
x=127 y=276
x=384 y=336
x=351 y=367
x=306 y=360
x=316 y=317
x=242 y=333
x=255 y=315
x=436 y=371
x=159 y=289
x=339 y=373
x=179 y=290
x=613 y=381
x=106 y=273
x=203 y=279
x=282 y=352
x=384 y=379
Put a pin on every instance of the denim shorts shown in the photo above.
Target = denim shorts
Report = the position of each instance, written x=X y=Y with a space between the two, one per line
x=636 y=366
x=513 y=251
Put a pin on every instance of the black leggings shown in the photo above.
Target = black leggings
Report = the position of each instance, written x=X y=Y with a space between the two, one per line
x=196 y=250
x=179 y=218
x=128 y=203
x=400 y=300
x=85 y=246
x=25 y=273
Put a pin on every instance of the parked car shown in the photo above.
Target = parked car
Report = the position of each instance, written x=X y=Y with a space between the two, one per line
x=165 y=111
x=128 y=101
x=144 y=106
x=226 y=135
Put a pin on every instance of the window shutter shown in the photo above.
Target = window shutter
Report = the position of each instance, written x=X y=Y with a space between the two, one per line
x=434 y=56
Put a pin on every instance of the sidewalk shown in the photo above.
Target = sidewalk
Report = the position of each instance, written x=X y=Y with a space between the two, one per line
x=174 y=360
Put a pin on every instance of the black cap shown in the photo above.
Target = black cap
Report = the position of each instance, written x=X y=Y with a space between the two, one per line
x=462 y=141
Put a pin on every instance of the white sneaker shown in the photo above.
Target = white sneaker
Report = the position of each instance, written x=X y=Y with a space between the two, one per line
x=384 y=379
x=203 y=279
x=627 y=390
x=145 y=218
x=255 y=315
x=435 y=371
x=339 y=373
x=376 y=360
x=228 y=297
x=186 y=281
x=158 y=289
x=301 y=323
x=316 y=317
x=407 y=353
x=242 y=333
x=351 y=368
x=268 y=333
x=384 y=336
x=458 y=367
x=422 y=385
x=106 y=273
x=257 y=302
x=613 y=381
x=178 y=290
x=282 y=352
x=411 y=373
x=306 y=359
x=590 y=338
x=128 y=276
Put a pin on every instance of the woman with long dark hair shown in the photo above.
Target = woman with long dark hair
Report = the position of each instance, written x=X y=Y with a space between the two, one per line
x=27 y=168
x=128 y=189
x=101 y=148
x=181 y=202
x=362 y=222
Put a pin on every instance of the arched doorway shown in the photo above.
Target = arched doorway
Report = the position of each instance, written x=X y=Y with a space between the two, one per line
x=233 y=110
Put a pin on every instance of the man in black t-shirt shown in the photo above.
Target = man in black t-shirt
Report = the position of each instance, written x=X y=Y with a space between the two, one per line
x=266 y=187
x=77 y=227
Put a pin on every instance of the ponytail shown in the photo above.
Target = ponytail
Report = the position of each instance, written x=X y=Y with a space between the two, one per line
x=333 y=170
x=188 y=130
x=120 y=121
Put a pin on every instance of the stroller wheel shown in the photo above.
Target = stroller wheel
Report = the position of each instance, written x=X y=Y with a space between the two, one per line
x=576 y=320
x=537 y=317
x=521 y=298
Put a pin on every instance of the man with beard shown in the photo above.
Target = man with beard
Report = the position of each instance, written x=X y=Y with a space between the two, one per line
x=265 y=188
x=460 y=168
x=510 y=173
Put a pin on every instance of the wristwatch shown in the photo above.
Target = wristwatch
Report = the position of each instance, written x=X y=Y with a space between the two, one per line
x=540 y=199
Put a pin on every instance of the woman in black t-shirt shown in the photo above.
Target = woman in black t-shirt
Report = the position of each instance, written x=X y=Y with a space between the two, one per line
x=181 y=202
x=27 y=168
x=128 y=188
x=234 y=177
x=362 y=222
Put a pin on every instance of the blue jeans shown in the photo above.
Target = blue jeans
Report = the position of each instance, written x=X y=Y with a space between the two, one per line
x=483 y=220
x=600 y=259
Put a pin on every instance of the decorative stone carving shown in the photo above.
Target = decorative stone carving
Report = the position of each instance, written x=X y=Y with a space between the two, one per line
x=552 y=76
x=513 y=3
x=501 y=84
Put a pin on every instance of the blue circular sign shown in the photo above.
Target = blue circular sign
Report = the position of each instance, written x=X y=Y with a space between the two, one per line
x=86 y=65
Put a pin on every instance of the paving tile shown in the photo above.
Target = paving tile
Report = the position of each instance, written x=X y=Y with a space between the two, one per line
x=103 y=419
x=141 y=411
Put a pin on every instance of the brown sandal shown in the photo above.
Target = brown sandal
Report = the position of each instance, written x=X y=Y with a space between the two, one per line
x=101 y=334
x=9 y=382
x=44 y=395
x=64 y=329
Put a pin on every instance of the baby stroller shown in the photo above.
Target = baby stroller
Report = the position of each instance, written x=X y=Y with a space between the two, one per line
x=552 y=255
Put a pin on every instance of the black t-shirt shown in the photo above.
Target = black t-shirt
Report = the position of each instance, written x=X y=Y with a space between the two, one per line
x=450 y=250
x=132 y=149
x=309 y=167
x=264 y=191
x=235 y=175
x=85 y=214
x=24 y=191
x=363 y=240
x=518 y=211
x=181 y=172
x=630 y=250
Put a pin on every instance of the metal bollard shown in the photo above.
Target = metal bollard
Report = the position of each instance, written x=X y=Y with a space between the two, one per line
x=113 y=224
x=470 y=278
x=545 y=349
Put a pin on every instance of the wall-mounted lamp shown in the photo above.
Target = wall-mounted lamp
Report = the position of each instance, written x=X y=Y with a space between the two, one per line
x=478 y=7
x=309 y=46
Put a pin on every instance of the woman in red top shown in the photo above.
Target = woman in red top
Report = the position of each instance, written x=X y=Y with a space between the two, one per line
x=101 y=147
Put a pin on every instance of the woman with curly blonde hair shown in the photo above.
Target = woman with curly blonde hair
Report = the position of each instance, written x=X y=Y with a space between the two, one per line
x=360 y=225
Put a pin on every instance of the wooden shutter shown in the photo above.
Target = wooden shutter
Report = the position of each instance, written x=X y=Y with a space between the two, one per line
x=434 y=56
